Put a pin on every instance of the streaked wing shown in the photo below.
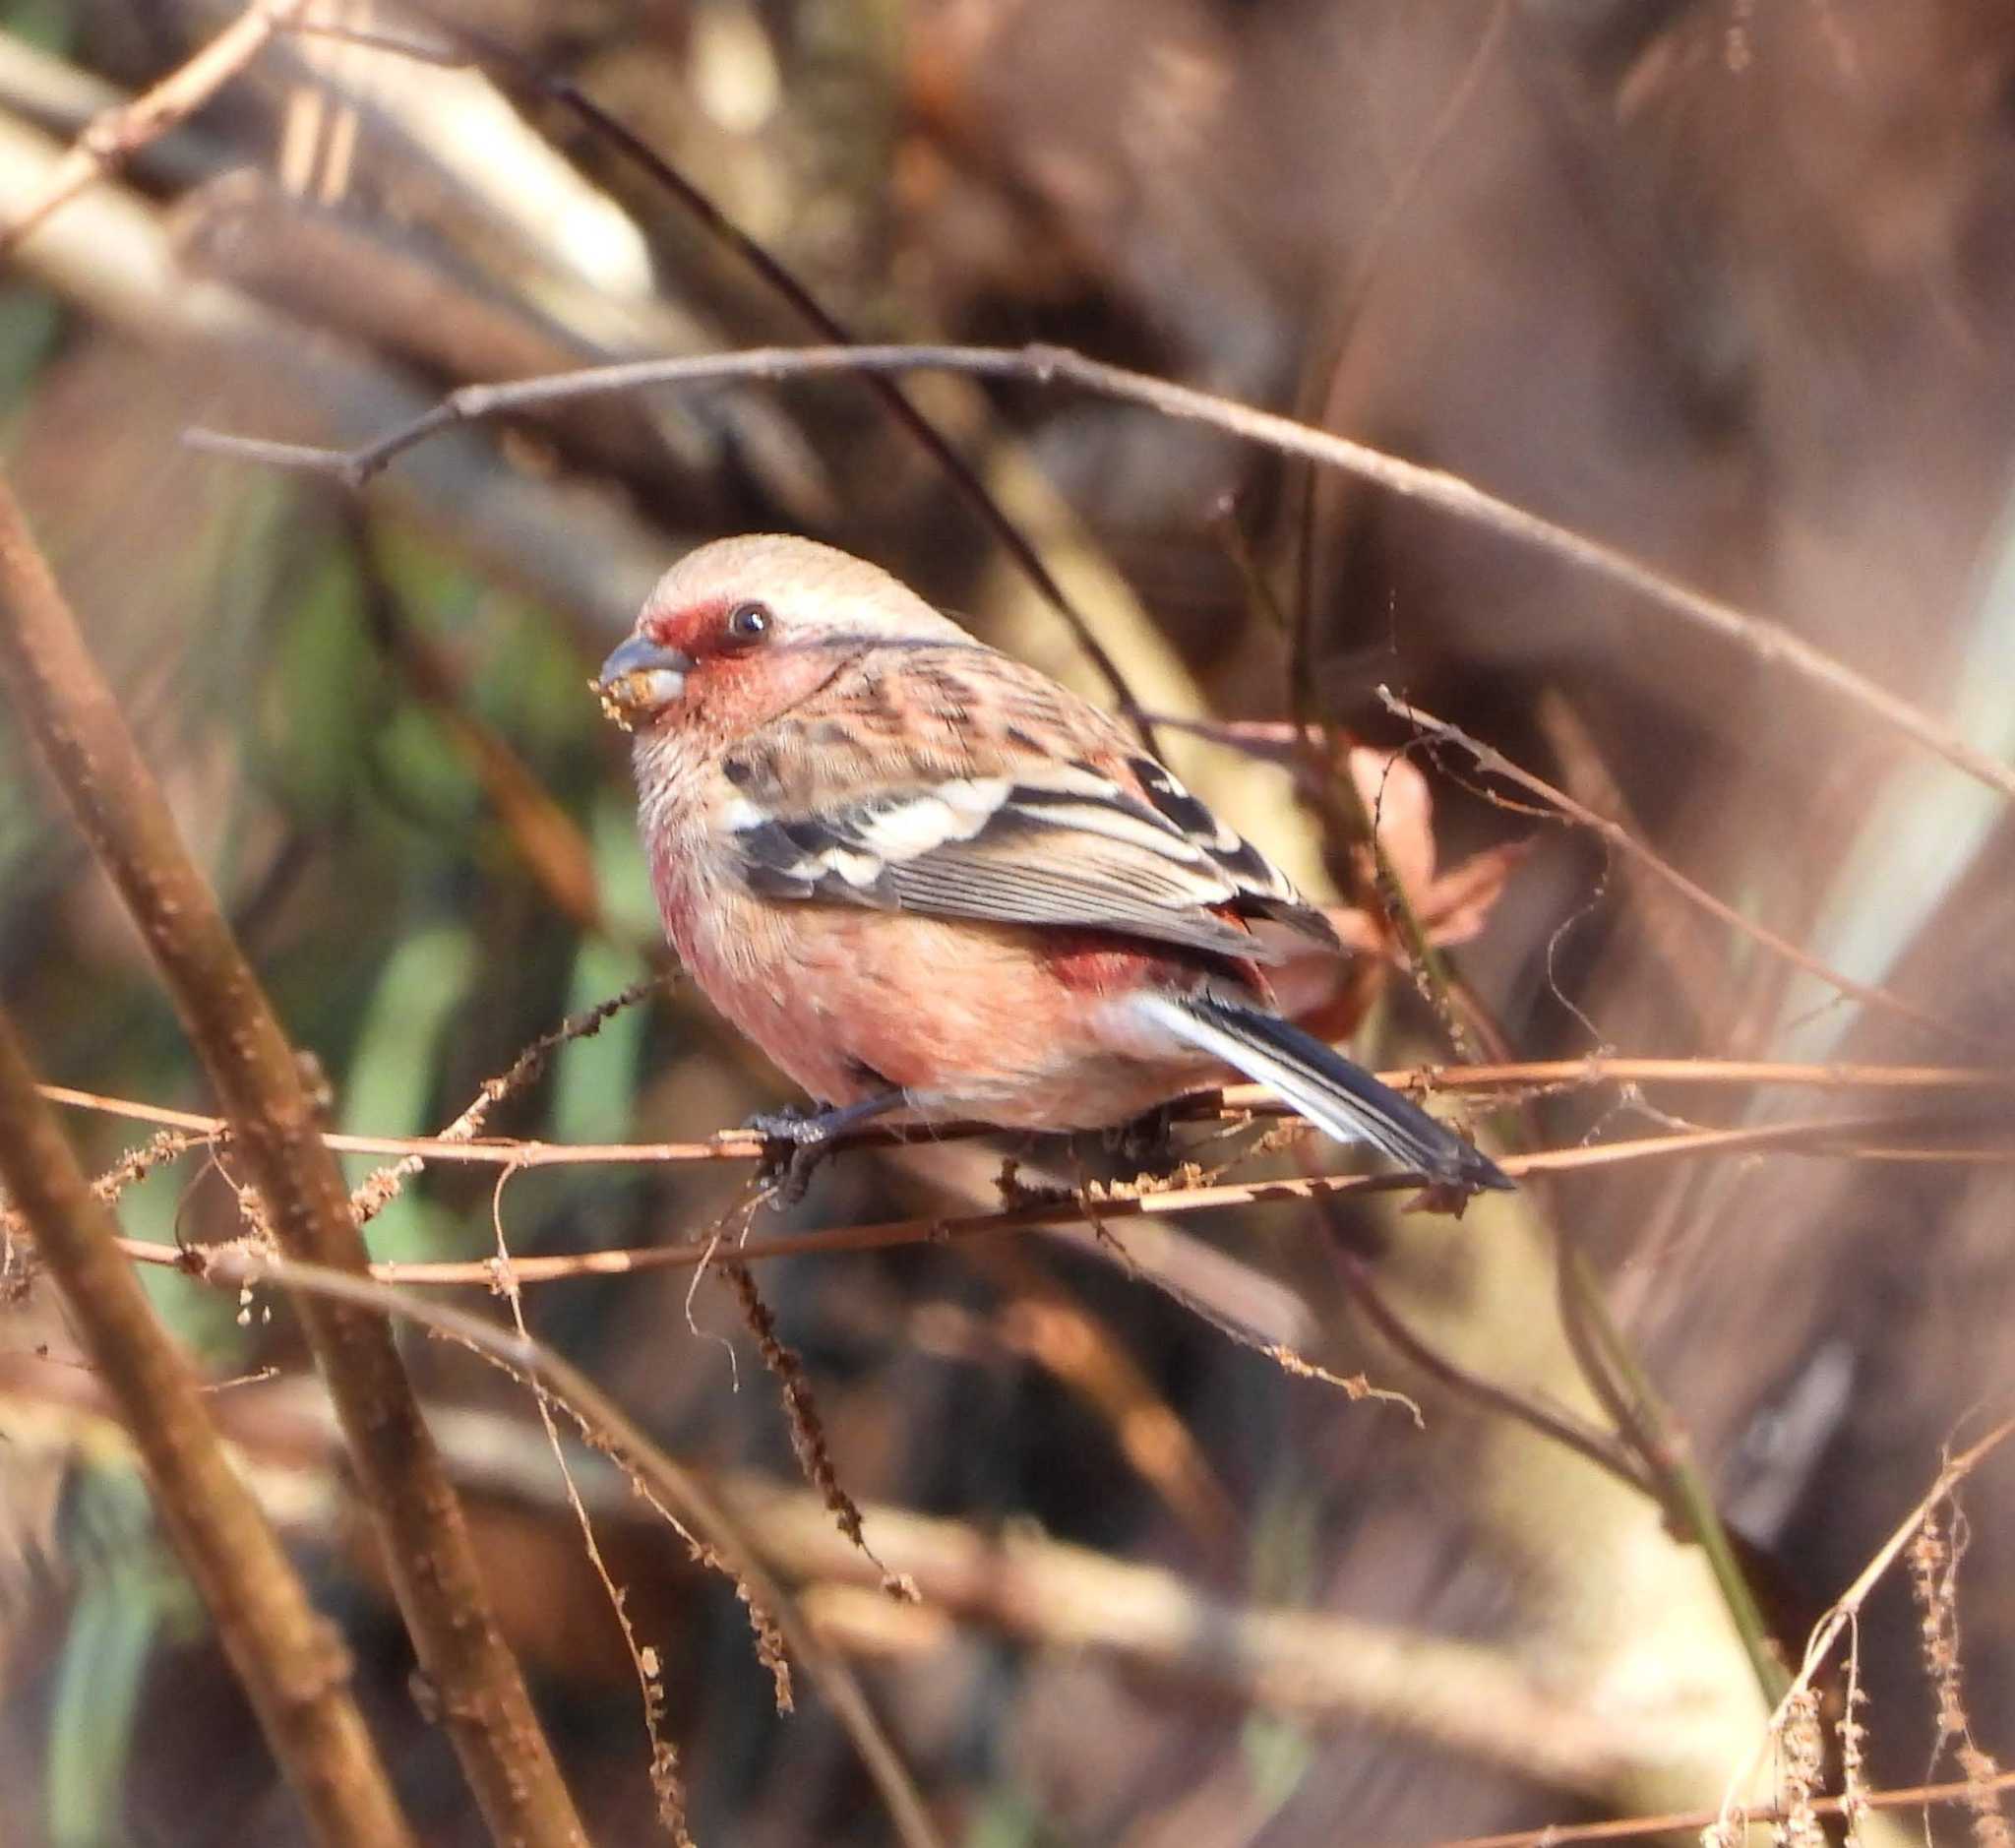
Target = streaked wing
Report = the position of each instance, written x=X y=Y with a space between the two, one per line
x=969 y=809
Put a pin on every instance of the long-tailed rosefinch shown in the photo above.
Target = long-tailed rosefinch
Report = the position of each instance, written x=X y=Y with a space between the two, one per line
x=925 y=878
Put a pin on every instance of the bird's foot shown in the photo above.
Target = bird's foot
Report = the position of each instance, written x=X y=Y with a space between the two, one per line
x=795 y=1141
x=1146 y=1143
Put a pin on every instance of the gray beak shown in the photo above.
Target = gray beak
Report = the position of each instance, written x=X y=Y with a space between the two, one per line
x=640 y=678
x=642 y=655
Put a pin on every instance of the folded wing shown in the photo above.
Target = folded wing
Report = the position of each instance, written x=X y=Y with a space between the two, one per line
x=990 y=819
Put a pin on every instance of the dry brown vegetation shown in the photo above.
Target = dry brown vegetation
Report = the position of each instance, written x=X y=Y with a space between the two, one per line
x=1542 y=470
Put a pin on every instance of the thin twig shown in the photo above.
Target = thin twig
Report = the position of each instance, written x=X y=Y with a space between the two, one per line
x=116 y=136
x=1552 y=1421
x=1496 y=763
x=646 y=1662
x=1233 y=1101
x=1765 y=641
x=65 y=706
x=1832 y=1137
x=291 y=1660
x=1692 y=1822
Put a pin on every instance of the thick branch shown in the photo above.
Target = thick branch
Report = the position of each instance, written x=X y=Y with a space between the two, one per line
x=292 y=1663
x=65 y=706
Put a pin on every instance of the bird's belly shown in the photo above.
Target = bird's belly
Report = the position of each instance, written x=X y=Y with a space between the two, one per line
x=970 y=1015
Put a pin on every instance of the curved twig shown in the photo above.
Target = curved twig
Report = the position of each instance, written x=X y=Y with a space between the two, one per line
x=501 y=62
x=1765 y=641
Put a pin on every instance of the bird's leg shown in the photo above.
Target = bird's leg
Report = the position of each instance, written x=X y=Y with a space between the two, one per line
x=797 y=1139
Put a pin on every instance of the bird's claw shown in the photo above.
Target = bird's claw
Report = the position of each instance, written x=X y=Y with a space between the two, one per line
x=799 y=1127
x=794 y=1143
x=1146 y=1142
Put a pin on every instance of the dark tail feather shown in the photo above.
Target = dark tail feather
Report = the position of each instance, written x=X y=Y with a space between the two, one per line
x=1326 y=1087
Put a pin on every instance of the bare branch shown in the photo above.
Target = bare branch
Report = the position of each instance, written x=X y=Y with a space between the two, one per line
x=1499 y=764
x=290 y=1660
x=65 y=706
x=117 y=135
x=508 y=66
x=1845 y=1137
x=1233 y=1100
x=1599 y=1447
x=1765 y=641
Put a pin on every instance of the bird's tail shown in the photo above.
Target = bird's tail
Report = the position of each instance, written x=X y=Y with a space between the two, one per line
x=1324 y=1086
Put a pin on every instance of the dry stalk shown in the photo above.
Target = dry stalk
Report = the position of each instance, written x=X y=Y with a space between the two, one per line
x=1855 y=1137
x=674 y=1490
x=292 y=1661
x=665 y=1781
x=1688 y=1822
x=1935 y=1557
x=807 y=1429
x=82 y=737
x=1234 y=1103
x=1846 y=1612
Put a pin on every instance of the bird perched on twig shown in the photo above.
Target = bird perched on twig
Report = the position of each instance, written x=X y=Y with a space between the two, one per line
x=926 y=879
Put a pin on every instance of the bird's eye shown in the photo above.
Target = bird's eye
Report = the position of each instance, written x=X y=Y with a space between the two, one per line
x=749 y=621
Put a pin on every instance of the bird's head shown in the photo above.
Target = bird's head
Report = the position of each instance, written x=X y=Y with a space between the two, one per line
x=739 y=630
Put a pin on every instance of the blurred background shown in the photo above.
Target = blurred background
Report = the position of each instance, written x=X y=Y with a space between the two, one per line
x=1726 y=286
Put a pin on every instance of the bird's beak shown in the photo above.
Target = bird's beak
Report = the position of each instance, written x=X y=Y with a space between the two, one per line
x=640 y=678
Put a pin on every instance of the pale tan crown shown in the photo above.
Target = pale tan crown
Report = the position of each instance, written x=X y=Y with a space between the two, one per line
x=808 y=585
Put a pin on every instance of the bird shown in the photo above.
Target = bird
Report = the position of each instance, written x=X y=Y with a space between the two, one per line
x=931 y=882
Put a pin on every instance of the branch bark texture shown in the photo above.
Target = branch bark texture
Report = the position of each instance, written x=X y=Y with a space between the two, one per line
x=66 y=707
x=289 y=1658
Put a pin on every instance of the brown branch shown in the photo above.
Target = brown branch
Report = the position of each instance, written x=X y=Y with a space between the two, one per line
x=1685 y=1823
x=1765 y=641
x=118 y=134
x=81 y=734
x=610 y=1428
x=1496 y=763
x=1233 y=1100
x=1836 y=1137
x=292 y=1661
